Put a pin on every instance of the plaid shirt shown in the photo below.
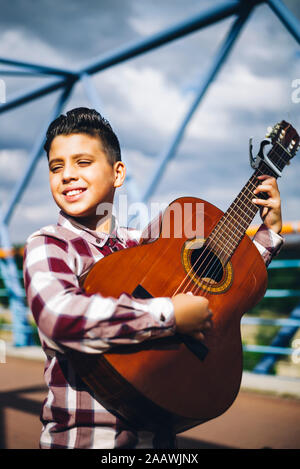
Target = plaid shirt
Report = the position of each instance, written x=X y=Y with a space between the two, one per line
x=55 y=259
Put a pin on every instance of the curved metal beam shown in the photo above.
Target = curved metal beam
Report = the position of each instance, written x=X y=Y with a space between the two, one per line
x=35 y=154
x=210 y=76
x=286 y=17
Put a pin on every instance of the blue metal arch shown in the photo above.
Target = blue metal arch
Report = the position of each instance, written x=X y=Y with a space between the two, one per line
x=65 y=80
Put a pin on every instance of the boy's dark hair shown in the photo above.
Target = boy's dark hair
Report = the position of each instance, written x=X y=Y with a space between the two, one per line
x=86 y=121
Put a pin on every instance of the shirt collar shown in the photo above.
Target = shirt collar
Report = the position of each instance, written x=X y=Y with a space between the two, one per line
x=97 y=237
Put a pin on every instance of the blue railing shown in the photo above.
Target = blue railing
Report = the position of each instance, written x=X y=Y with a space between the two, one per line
x=64 y=82
x=289 y=326
x=271 y=352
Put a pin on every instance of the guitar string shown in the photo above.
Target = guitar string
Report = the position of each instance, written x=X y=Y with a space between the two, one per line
x=210 y=265
x=279 y=159
x=190 y=279
x=215 y=234
x=218 y=269
x=216 y=263
x=221 y=226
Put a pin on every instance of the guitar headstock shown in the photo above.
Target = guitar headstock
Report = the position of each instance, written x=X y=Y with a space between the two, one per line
x=286 y=137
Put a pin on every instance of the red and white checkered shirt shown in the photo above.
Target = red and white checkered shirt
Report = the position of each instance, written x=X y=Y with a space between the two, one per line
x=55 y=259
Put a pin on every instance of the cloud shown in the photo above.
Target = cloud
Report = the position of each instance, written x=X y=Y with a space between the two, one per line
x=78 y=31
x=146 y=98
x=25 y=45
x=12 y=163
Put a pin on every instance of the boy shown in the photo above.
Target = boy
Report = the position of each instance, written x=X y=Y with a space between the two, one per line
x=85 y=168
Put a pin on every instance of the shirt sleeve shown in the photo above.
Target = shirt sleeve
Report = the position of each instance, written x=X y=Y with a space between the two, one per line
x=268 y=243
x=67 y=317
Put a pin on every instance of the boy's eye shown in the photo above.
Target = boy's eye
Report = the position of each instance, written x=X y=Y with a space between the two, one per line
x=53 y=169
x=57 y=167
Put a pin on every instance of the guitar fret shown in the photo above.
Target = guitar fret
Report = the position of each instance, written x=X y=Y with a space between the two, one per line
x=232 y=226
x=235 y=228
x=285 y=151
x=228 y=245
x=220 y=250
x=238 y=208
x=230 y=230
x=247 y=207
x=227 y=239
x=223 y=231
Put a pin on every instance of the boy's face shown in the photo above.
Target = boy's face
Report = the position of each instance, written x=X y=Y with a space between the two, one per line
x=81 y=177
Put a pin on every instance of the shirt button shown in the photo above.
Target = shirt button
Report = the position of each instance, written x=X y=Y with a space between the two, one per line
x=98 y=241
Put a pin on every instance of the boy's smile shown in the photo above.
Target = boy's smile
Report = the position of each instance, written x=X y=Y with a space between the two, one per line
x=81 y=177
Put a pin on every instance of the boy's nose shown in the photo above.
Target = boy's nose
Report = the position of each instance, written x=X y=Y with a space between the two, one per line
x=69 y=174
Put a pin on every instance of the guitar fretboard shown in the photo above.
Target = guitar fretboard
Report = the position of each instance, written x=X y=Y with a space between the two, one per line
x=232 y=227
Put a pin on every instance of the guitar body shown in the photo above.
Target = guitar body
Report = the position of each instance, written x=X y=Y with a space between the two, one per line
x=163 y=381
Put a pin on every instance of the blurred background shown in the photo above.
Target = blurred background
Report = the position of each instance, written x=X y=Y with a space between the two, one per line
x=184 y=85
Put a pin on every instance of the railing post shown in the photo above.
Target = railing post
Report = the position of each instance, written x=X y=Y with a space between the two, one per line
x=282 y=339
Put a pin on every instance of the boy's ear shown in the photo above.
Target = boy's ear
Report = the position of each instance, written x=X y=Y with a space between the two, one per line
x=120 y=173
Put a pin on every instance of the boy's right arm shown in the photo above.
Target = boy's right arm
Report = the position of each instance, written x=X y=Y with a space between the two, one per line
x=67 y=317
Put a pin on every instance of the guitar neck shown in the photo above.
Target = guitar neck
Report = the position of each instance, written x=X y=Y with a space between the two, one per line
x=233 y=225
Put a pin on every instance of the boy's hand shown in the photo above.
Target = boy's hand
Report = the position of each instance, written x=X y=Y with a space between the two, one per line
x=270 y=210
x=192 y=315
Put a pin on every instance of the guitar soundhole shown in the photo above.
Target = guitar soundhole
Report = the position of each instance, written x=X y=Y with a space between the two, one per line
x=206 y=265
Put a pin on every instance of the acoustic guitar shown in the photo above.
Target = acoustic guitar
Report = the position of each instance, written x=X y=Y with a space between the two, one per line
x=178 y=382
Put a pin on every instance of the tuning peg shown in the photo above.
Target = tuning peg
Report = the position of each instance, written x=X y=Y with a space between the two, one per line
x=269 y=132
x=292 y=144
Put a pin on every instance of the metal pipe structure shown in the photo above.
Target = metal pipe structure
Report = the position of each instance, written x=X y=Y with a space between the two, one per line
x=35 y=93
x=22 y=334
x=36 y=67
x=65 y=80
x=35 y=155
x=210 y=76
x=282 y=340
x=181 y=29
x=286 y=17
x=211 y=16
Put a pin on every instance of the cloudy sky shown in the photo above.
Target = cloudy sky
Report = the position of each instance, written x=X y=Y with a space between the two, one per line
x=146 y=98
